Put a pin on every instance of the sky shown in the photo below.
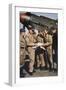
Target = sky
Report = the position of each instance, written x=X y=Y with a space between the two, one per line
x=49 y=15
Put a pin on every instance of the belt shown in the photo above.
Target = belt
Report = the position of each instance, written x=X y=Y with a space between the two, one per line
x=22 y=47
x=30 y=46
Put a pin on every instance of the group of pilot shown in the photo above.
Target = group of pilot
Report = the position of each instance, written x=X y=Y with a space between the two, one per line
x=36 y=51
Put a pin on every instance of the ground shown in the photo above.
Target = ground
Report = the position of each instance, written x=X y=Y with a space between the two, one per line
x=44 y=73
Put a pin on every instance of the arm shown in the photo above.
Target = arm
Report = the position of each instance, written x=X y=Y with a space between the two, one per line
x=28 y=42
x=49 y=42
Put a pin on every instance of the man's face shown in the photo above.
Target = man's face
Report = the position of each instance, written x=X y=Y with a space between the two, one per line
x=30 y=31
x=54 y=31
x=46 y=32
x=41 y=33
x=22 y=33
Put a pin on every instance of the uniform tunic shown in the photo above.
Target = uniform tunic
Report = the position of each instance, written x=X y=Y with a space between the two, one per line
x=48 y=39
x=30 y=40
x=40 y=52
x=22 y=49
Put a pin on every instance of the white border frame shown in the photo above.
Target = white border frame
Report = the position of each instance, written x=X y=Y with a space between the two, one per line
x=14 y=45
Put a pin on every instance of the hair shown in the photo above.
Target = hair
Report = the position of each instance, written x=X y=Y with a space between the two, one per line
x=28 y=13
x=53 y=28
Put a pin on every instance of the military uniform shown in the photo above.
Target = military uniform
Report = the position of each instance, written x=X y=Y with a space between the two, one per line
x=22 y=49
x=40 y=53
x=48 y=40
x=55 y=50
x=30 y=40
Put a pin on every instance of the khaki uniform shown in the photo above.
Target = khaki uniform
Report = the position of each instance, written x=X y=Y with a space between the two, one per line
x=41 y=55
x=22 y=49
x=30 y=40
x=48 y=39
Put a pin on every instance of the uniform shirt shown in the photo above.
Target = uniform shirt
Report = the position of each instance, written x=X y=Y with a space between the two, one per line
x=40 y=39
x=40 y=49
x=30 y=39
x=48 y=39
x=22 y=41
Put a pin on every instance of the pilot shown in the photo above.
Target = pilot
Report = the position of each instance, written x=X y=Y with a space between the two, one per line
x=30 y=40
x=39 y=53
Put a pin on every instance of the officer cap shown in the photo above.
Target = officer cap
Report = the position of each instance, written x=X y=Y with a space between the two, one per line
x=22 y=30
x=30 y=27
